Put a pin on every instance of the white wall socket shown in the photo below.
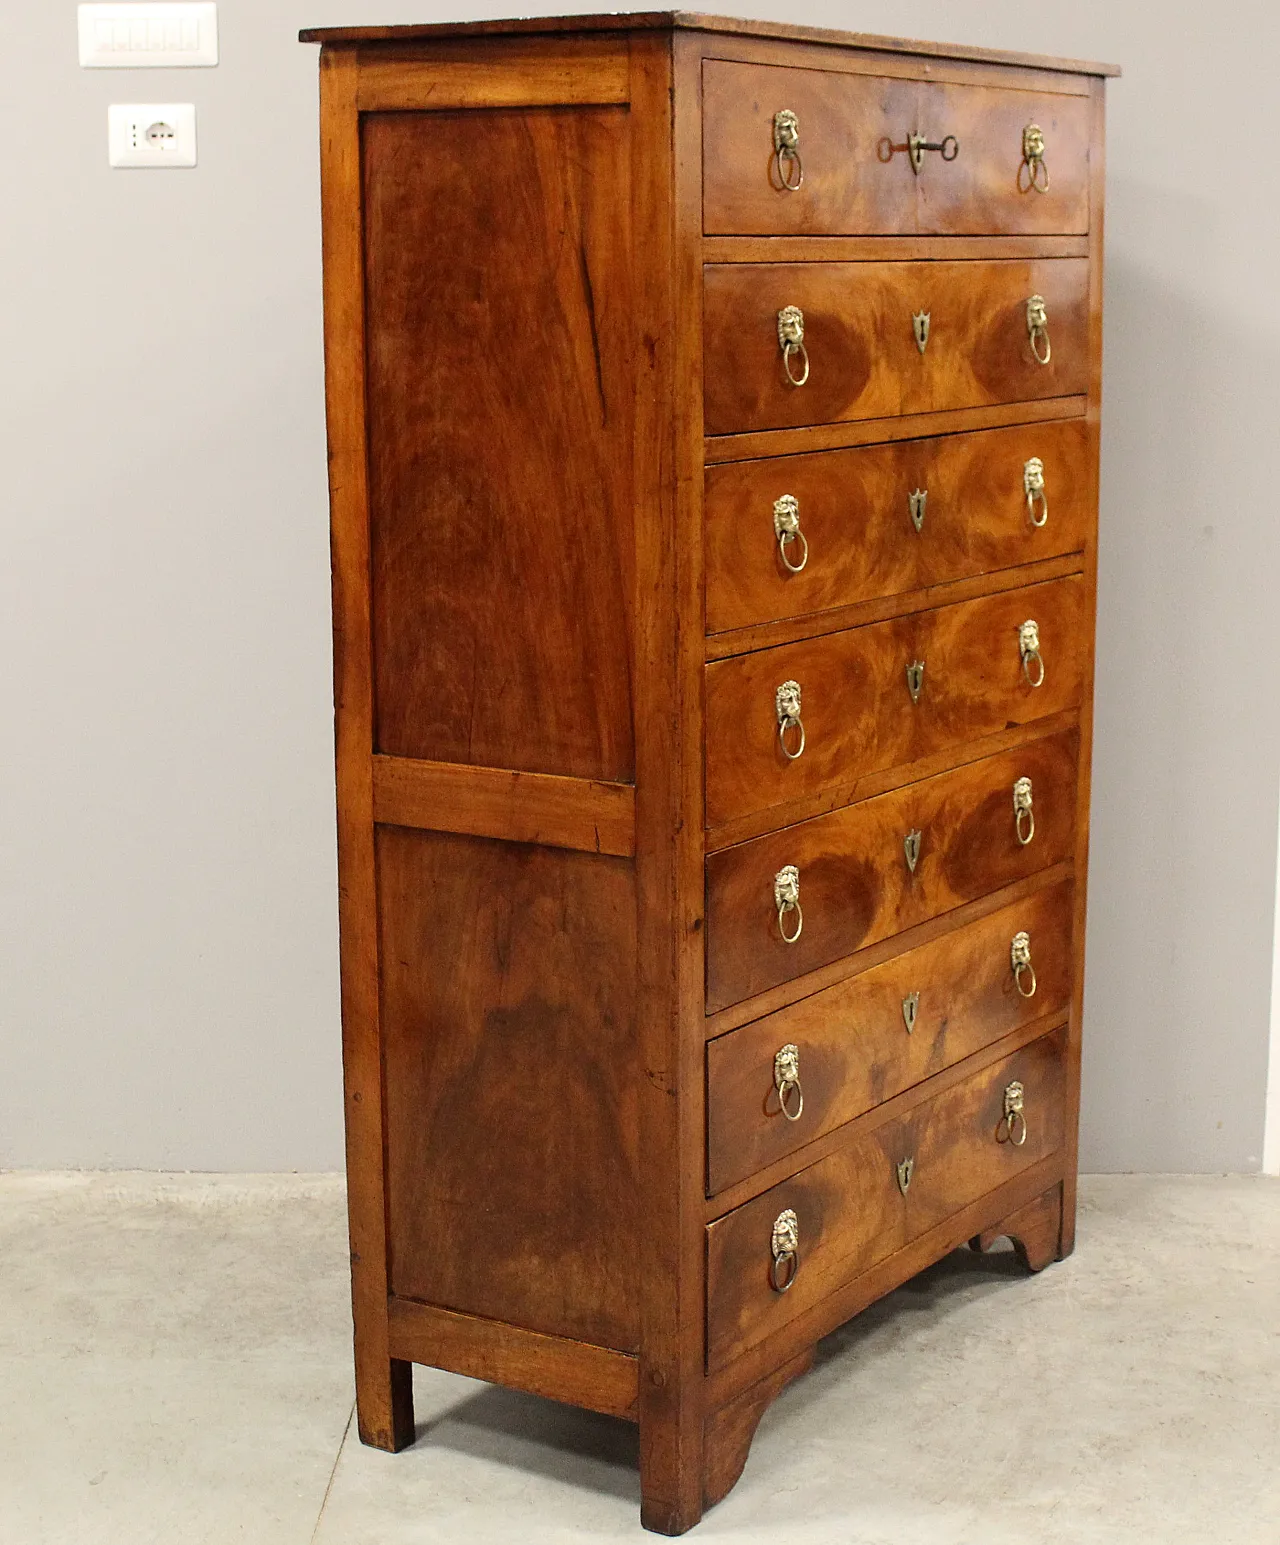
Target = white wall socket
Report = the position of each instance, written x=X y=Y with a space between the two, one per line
x=151 y=134
x=148 y=36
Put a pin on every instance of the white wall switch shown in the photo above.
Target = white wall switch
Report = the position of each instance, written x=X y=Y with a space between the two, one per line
x=151 y=134
x=153 y=35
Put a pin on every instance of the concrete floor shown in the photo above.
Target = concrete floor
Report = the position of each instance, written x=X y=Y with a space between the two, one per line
x=175 y=1362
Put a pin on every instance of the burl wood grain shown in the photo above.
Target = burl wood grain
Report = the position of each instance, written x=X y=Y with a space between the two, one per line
x=508 y=1003
x=852 y=186
x=855 y=886
x=854 y=1048
x=856 y=706
x=850 y=1209
x=855 y=516
x=863 y=358
x=499 y=425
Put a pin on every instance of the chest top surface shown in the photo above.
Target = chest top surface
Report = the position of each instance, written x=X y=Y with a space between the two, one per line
x=692 y=21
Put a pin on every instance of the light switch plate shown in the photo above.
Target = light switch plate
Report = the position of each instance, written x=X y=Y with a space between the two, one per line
x=151 y=134
x=148 y=36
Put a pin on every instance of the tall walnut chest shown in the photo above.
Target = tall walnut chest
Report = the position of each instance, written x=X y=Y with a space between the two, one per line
x=713 y=436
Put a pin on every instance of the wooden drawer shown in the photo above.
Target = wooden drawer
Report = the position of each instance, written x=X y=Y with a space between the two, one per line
x=850 y=1209
x=860 y=536
x=872 y=1037
x=851 y=185
x=863 y=358
x=855 y=885
x=856 y=706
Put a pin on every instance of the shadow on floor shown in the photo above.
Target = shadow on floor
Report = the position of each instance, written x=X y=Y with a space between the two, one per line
x=602 y=1453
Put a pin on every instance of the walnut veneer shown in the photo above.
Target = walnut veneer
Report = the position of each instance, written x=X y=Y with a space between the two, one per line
x=697 y=389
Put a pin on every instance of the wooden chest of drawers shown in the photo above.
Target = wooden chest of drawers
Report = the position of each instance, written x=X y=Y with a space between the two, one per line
x=713 y=419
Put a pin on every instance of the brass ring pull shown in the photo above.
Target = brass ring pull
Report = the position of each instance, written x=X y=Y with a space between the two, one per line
x=786 y=897
x=1024 y=817
x=1033 y=162
x=786 y=150
x=786 y=1077
x=786 y=702
x=1038 y=329
x=1020 y=964
x=786 y=524
x=1012 y=1123
x=785 y=1247
x=791 y=342
x=1029 y=648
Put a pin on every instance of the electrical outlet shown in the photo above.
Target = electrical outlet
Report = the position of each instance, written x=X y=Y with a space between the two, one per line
x=148 y=35
x=151 y=134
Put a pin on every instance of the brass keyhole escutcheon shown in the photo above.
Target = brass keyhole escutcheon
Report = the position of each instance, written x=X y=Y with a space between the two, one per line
x=911 y=849
x=906 y=1170
x=920 y=323
x=917 y=500
x=915 y=679
x=910 y=1010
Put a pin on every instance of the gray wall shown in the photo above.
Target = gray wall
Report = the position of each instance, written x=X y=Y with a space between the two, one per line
x=169 y=990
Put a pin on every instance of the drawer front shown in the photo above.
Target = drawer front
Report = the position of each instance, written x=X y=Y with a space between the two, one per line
x=884 y=519
x=850 y=1209
x=868 y=1039
x=859 y=339
x=863 y=709
x=854 y=885
x=852 y=148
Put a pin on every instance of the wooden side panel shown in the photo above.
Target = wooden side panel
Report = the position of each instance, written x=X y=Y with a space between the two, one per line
x=855 y=885
x=863 y=358
x=384 y=1386
x=855 y=516
x=851 y=1210
x=500 y=437
x=856 y=707
x=853 y=1043
x=508 y=982
x=853 y=145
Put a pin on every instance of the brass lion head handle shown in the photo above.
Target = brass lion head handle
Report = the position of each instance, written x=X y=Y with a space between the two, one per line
x=791 y=342
x=1033 y=487
x=786 y=1080
x=1029 y=649
x=1024 y=816
x=1013 y=1123
x=1038 y=329
x=786 y=898
x=786 y=150
x=1024 y=973
x=1033 y=174
x=785 y=1249
x=786 y=526
x=786 y=704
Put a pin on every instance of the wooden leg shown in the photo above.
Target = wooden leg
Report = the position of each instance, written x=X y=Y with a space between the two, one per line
x=1035 y=1231
x=670 y=1456
x=730 y=1430
x=384 y=1404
